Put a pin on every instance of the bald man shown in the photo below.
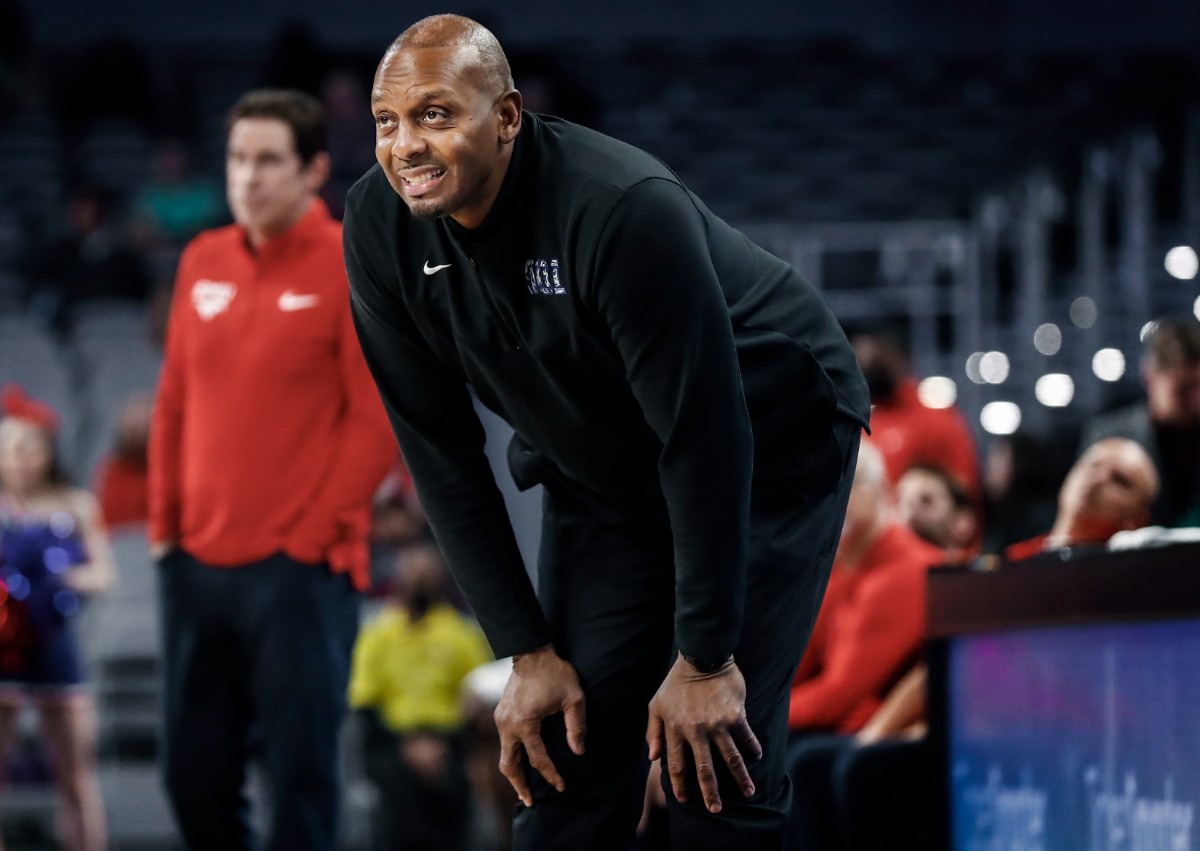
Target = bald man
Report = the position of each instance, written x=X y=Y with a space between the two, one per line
x=1110 y=489
x=873 y=618
x=689 y=403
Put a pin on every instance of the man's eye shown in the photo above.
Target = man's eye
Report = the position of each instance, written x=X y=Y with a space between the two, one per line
x=382 y=120
x=434 y=115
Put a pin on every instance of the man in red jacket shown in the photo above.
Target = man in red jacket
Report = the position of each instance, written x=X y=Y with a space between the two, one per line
x=872 y=620
x=267 y=443
x=903 y=428
x=1110 y=489
x=869 y=632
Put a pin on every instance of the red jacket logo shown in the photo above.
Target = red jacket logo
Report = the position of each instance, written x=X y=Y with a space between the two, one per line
x=211 y=298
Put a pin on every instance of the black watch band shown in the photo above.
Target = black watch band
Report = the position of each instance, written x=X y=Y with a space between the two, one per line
x=707 y=664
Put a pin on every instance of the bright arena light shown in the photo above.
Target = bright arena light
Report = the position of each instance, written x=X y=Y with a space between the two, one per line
x=1055 y=390
x=973 y=372
x=1147 y=330
x=1182 y=262
x=1084 y=312
x=1000 y=417
x=1109 y=364
x=993 y=367
x=1196 y=307
x=1047 y=339
x=937 y=391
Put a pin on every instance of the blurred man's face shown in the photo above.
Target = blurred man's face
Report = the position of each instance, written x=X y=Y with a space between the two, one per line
x=442 y=134
x=1110 y=488
x=133 y=426
x=925 y=505
x=1173 y=394
x=859 y=512
x=420 y=580
x=267 y=185
x=882 y=362
x=869 y=496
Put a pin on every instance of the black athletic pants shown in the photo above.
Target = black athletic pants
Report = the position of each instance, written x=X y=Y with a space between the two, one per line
x=862 y=798
x=262 y=649
x=609 y=594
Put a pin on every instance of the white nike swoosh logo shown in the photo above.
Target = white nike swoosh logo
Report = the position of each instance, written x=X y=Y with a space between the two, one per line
x=290 y=301
x=429 y=270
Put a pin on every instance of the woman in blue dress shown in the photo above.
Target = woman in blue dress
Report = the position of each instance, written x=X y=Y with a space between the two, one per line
x=53 y=551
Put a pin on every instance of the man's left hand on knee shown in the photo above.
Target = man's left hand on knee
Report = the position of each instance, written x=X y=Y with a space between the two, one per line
x=703 y=712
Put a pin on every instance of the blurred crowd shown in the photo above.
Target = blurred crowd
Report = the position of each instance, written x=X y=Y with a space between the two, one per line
x=923 y=499
x=422 y=683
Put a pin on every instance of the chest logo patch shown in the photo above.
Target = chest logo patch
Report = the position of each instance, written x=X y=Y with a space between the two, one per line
x=212 y=298
x=290 y=301
x=542 y=277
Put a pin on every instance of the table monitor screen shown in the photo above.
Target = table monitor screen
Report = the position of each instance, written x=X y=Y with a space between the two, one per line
x=1075 y=737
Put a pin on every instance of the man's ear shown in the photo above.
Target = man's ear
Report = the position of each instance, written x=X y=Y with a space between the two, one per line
x=318 y=170
x=509 y=107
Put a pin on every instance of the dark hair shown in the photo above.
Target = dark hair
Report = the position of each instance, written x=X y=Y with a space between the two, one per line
x=894 y=330
x=1173 y=342
x=299 y=111
x=958 y=494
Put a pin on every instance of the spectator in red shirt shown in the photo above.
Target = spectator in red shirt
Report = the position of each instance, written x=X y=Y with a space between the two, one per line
x=834 y=774
x=121 y=482
x=903 y=428
x=932 y=503
x=1111 y=488
x=873 y=617
x=875 y=789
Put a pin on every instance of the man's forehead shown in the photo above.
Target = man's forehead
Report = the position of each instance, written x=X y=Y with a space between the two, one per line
x=428 y=71
x=271 y=136
x=262 y=128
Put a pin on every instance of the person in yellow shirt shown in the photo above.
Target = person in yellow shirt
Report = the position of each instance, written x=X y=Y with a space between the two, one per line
x=408 y=666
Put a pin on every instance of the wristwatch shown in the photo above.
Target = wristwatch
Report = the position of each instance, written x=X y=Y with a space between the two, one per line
x=707 y=664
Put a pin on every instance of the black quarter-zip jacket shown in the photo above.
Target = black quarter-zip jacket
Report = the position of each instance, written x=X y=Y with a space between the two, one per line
x=655 y=365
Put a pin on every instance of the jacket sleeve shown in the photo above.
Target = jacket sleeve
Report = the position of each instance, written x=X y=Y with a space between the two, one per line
x=166 y=426
x=875 y=635
x=366 y=451
x=442 y=441
x=656 y=290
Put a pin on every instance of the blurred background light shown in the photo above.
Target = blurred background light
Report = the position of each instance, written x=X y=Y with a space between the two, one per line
x=937 y=391
x=1055 y=390
x=1083 y=312
x=973 y=372
x=1182 y=263
x=993 y=367
x=1047 y=339
x=1109 y=364
x=1000 y=418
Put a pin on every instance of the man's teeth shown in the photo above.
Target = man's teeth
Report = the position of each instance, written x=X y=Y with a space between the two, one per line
x=423 y=179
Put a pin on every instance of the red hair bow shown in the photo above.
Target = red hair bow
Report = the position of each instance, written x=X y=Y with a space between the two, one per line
x=15 y=402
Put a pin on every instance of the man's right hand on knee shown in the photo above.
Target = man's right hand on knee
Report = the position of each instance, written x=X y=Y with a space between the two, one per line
x=542 y=684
